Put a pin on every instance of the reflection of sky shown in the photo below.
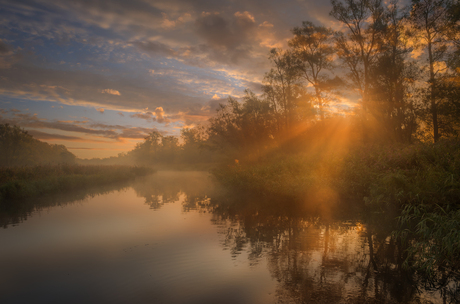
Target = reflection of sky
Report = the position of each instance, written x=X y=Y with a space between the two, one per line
x=113 y=248
x=118 y=248
x=140 y=65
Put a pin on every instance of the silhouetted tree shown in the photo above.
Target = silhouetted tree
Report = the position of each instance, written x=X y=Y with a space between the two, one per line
x=359 y=46
x=245 y=125
x=284 y=90
x=314 y=49
x=429 y=19
x=393 y=79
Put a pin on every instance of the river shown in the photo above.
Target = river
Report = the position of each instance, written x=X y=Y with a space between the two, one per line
x=173 y=238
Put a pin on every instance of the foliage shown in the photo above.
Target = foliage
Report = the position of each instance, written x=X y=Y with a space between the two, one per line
x=430 y=21
x=420 y=182
x=313 y=47
x=243 y=127
x=18 y=148
x=284 y=91
x=433 y=235
x=166 y=151
x=21 y=182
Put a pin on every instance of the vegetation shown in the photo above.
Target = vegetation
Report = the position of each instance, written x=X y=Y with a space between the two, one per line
x=395 y=154
x=21 y=182
x=378 y=159
x=29 y=167
x=18 y=148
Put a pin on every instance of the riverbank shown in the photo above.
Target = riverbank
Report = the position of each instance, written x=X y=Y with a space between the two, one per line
x=22 y=182
x=416 y=186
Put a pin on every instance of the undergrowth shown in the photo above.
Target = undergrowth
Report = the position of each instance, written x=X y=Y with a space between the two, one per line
x=418 y=186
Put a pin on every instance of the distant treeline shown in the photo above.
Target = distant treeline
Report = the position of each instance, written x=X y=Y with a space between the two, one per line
x=18 y=148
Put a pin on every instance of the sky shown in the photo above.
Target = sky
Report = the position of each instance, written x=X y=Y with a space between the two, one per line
x=98 y=76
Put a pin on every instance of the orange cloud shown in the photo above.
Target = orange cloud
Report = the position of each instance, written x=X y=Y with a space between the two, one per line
x=111 y=92
x=160 y=115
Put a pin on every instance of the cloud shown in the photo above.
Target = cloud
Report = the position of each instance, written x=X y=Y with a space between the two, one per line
x=100 y=110
x=266 y=24
x=160 y=115
x=172 y=55
x=168 y=23
x=146 y=115
x=245 y=17
x=49 y=136
x=78 y=87
x=106 y=131
x=4 y=49
x=137 y=133
x=222 y=32
x=32 y=121
x=156 y=48
x=111 y=92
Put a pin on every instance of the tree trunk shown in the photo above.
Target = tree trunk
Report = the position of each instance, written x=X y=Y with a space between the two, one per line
x=433 y=105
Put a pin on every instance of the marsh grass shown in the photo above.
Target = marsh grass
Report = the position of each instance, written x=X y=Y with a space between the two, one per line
x=22 y=182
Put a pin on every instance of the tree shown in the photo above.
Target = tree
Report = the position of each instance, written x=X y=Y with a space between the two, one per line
x=392 y=80
x=169 y=149
x=147 y=151
x=429 y=19
x=453 y=31
x=243 y=126
x=284 y=90
x=19 y=148
x=359 y=46
x=194 y=144
x=313 y=46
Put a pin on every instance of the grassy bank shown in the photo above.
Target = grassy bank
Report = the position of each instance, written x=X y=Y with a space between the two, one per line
x=416 y=186
x=22 y=182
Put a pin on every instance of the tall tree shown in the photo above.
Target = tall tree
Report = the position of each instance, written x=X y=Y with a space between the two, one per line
x=393 y=79
x=283 y=87
x=359 y=46
x=313 y=46
x=429 y=19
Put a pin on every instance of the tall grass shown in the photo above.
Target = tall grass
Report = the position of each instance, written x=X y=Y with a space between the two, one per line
x=21 y=182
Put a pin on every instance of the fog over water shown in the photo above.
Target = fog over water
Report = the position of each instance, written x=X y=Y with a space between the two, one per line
x=173 y=237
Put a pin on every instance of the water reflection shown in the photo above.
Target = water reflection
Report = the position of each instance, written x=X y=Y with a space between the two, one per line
x=316 y=261
x=166 y=187
x=310 y=258
x=15 y=212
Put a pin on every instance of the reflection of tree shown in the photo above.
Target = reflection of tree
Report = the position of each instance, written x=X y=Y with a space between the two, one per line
x=17 y=211
x=167 y=187
x=314 y=261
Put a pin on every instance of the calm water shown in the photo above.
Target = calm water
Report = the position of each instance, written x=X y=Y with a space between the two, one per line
x=173 y=238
